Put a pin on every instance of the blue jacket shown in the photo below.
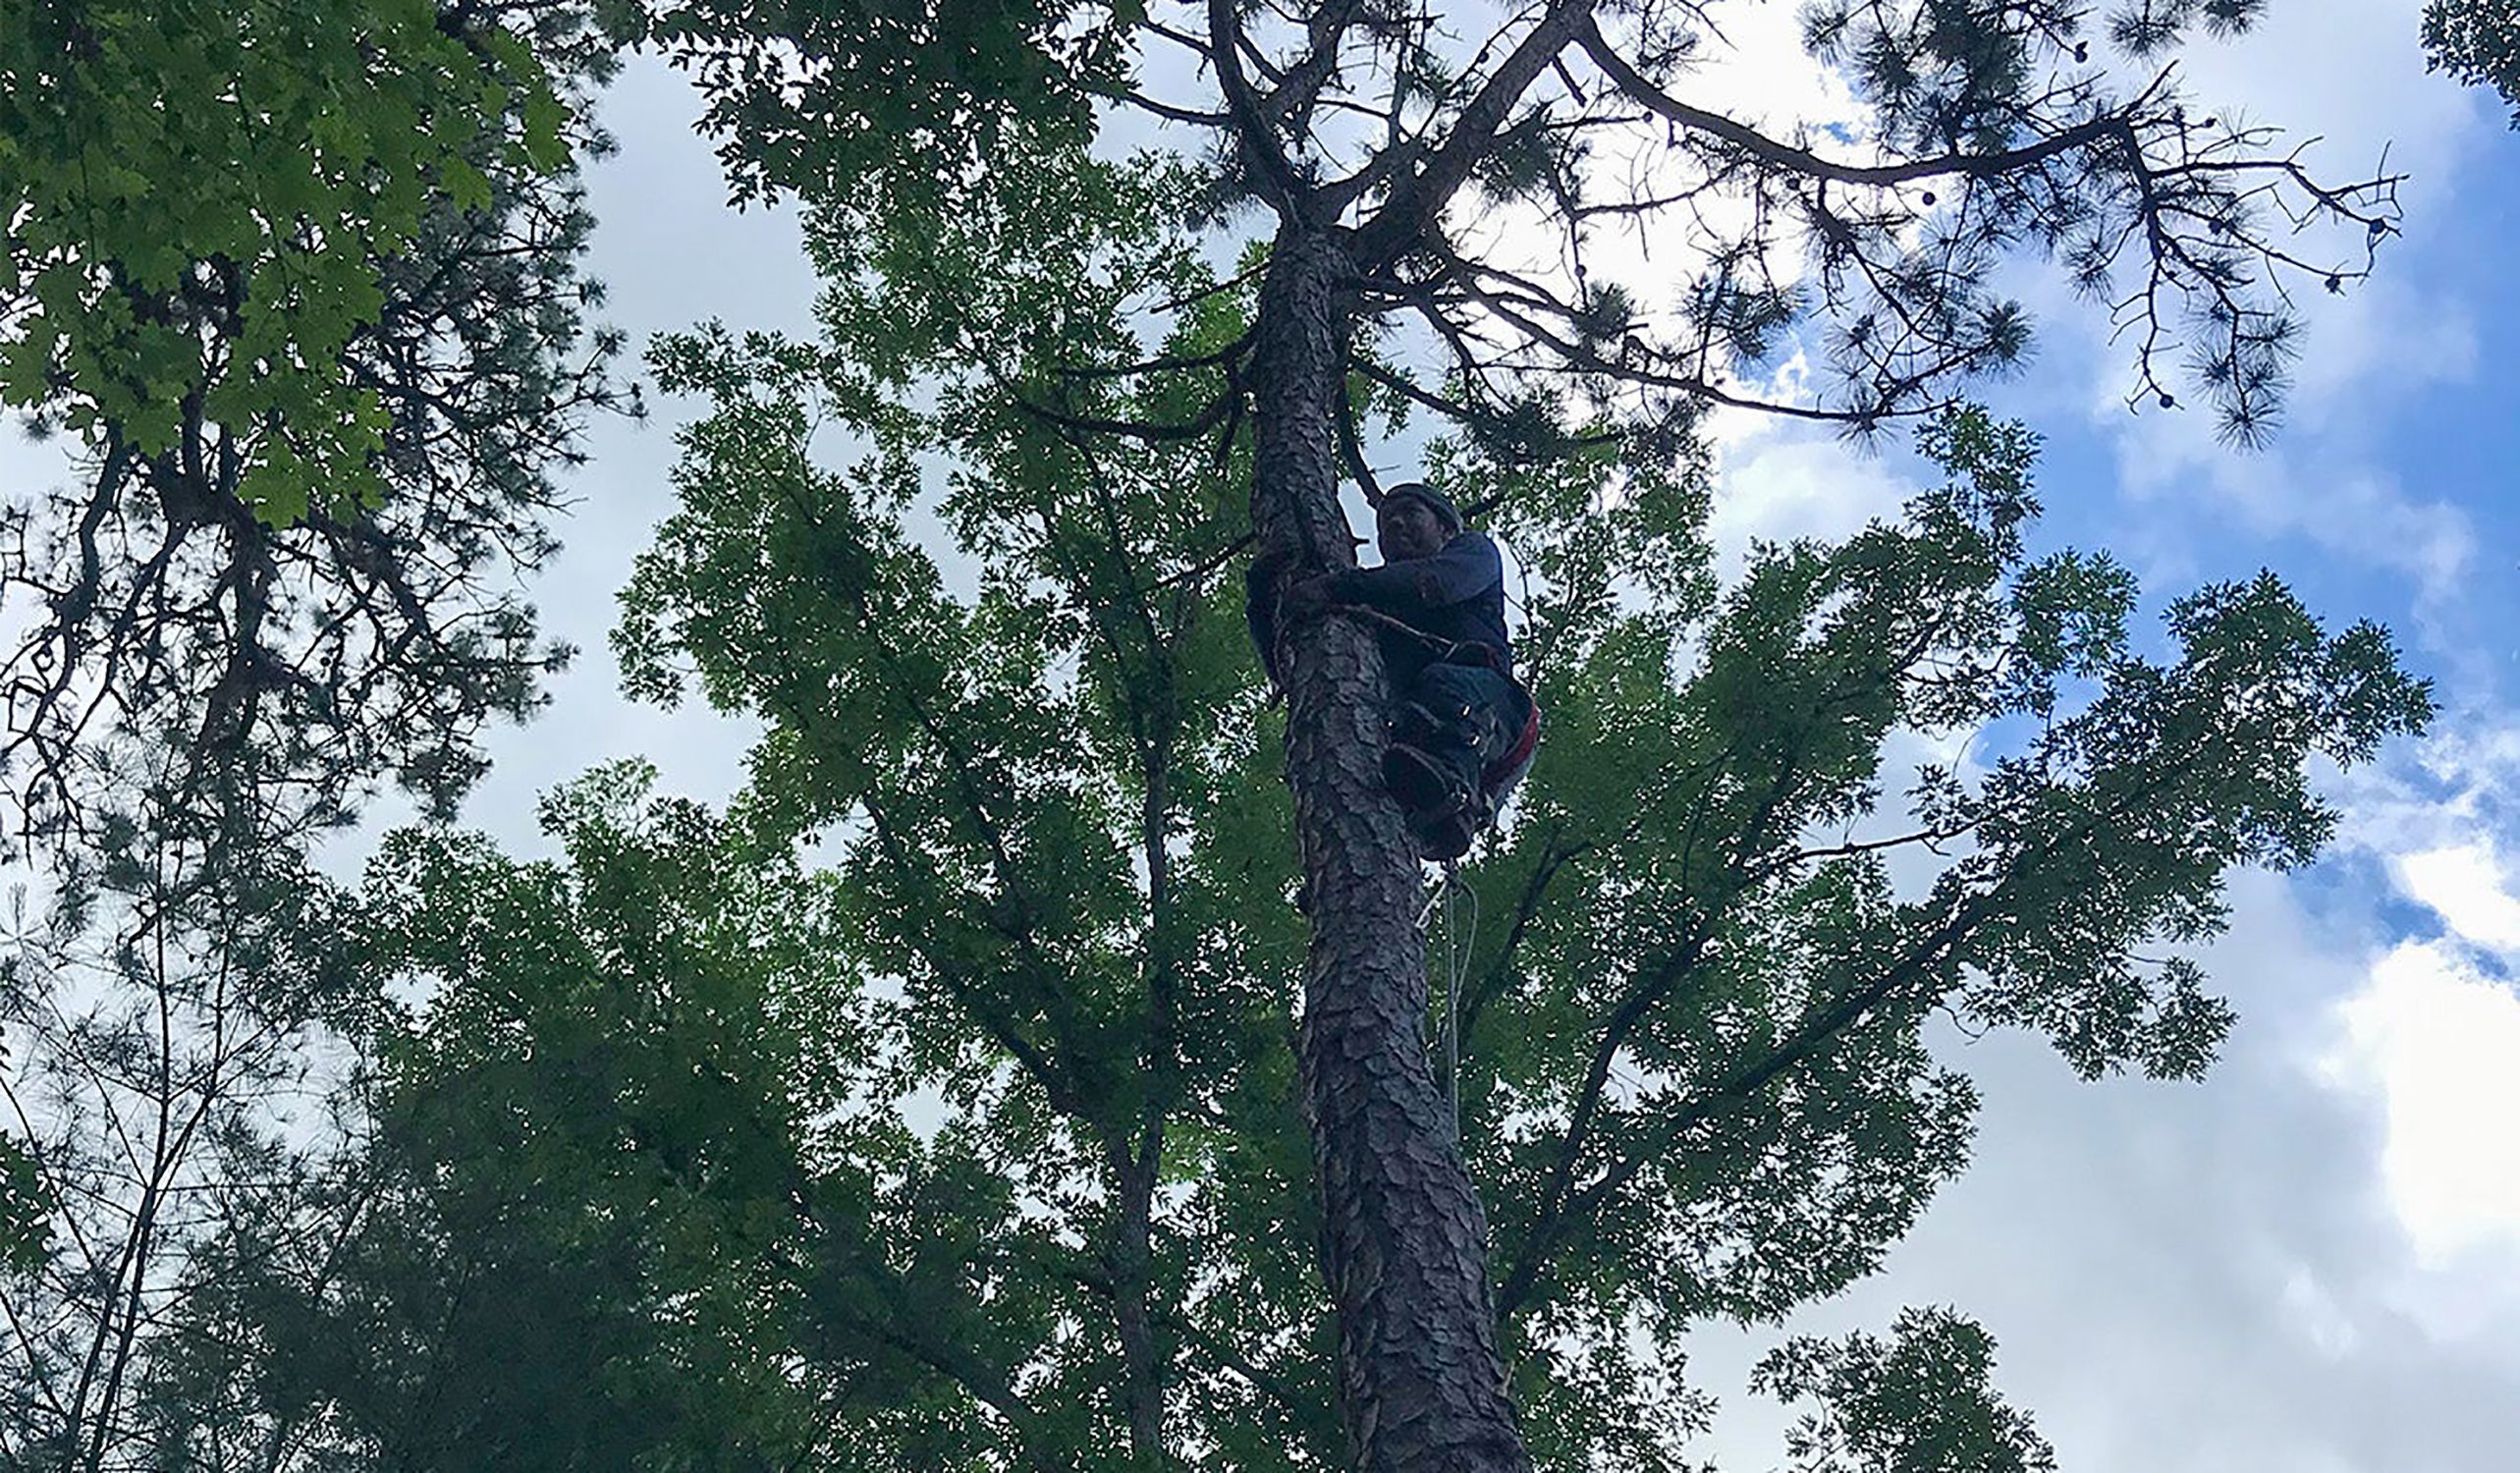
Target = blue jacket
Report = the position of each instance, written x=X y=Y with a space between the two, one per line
x=1457 y=598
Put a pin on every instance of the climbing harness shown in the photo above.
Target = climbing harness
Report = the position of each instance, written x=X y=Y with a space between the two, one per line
x=1501 y=776
x=1450 y=808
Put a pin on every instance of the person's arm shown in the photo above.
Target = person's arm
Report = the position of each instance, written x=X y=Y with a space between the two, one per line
x=1467 y=567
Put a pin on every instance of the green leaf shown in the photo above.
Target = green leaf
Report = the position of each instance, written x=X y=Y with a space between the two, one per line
x=544 y=116
x=466 y=186
x=25 y=1210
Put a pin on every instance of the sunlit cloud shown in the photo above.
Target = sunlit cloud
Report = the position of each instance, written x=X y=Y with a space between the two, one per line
x=2435 y=1042
x=2468 y=887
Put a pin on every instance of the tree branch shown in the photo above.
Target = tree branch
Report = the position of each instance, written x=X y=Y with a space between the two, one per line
x=1406 y=218
x=1257 y=135
x=1782 y=155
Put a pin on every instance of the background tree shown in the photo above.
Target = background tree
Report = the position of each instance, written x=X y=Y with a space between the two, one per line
x=300 y=285
x=562 y=1246
x=1445 y=199
x=165 y=1076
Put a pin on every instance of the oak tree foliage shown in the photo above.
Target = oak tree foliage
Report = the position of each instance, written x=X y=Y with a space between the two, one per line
x=983 y=1146
x=2478 y=42
x=297 y=288
x=982 y=1142
x=1549 y=231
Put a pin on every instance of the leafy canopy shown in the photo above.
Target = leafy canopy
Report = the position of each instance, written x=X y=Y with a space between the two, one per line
x=945 y=1148
x=569 y=1241
x=2477 y=41
x=977 y=1143
x=200 y=196
x=301 y=284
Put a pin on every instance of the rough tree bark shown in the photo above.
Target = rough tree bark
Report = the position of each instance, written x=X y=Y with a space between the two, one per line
x=1405 y=1244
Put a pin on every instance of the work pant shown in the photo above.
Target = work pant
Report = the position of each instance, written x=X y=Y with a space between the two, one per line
x=1463 y=716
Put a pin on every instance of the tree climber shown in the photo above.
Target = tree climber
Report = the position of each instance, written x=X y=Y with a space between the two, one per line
x=1462 y=728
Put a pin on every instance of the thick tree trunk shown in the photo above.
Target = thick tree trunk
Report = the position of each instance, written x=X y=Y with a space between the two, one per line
x=1404 y=1244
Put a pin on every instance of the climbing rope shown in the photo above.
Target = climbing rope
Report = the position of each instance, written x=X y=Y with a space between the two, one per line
x=1457 y=946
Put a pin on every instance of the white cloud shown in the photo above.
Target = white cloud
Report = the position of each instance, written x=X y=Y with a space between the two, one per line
x=1761 y=74
x=2316 y=1316
x=2437 y=1044
x=2431 y=1042
x=2350 y=76
x=2202 y=1279
x=1780 y=484
x=2303 y=488
x=2468 y=887
x=2347 y=84
x=2449 y=791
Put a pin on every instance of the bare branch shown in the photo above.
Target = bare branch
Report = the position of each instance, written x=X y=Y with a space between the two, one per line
x=1253 y=129
x=1403 y=221
x=1782 y=155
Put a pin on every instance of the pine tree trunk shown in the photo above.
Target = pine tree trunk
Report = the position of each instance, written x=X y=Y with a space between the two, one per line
x=1405 y=1245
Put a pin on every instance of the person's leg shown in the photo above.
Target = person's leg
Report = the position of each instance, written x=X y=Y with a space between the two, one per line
x=1426 y=721
x=1450 y=725
x=1476 y=703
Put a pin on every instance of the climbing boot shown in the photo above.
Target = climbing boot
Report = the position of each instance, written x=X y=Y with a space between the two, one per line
x=1421 y=783
x=1446 y=836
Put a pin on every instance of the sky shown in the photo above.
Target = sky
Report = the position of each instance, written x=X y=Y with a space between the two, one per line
x=2311 y=1260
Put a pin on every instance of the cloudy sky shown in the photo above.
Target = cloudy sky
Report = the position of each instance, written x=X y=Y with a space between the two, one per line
x=2309 y=1262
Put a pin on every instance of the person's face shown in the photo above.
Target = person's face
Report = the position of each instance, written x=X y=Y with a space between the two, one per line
x=1407 y=527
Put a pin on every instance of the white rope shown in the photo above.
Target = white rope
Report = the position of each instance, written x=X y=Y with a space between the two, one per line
x=1452 y=1001
x=1457 y=947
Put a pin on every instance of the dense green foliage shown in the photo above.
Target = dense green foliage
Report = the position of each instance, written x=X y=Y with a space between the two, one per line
x=25 y=1209
x=568 y=1246
x=1010 y=700
x=297 y=287
x=1888 y=1409
x=2477 y=41
x=201 y=196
